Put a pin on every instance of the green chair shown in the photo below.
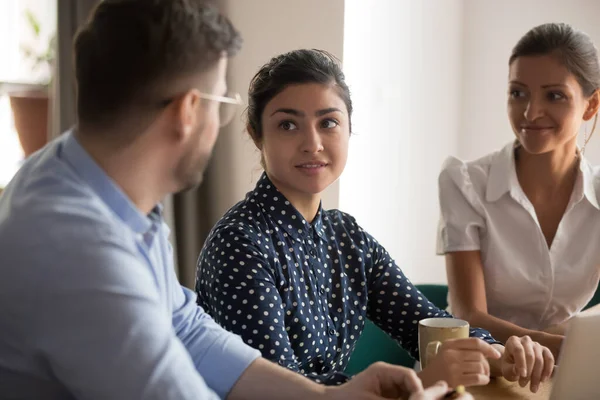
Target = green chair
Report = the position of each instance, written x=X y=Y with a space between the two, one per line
x=437 y=294
x=375 y=345
x=595 y=300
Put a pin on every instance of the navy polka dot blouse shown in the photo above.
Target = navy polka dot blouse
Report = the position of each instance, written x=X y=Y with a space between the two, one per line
x=300 y=292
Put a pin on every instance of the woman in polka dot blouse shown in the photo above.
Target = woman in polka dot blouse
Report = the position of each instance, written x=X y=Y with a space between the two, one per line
x=298 y=282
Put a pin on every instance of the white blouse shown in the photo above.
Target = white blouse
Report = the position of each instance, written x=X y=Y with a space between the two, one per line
x=484 y=208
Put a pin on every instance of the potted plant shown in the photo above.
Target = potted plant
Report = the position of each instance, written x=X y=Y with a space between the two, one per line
x=30 y=103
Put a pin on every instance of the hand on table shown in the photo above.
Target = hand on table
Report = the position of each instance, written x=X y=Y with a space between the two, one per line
x=526 y=361
x=461 y=362
x=437 y=392
x=385 y=381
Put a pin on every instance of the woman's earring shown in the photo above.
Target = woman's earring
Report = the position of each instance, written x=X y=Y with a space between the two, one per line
x=585 y=138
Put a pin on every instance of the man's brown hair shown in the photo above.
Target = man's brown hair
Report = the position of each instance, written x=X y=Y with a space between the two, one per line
x=132 y=52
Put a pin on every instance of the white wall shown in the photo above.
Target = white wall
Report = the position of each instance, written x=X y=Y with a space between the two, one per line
x=269 y=27
x=491 y=29
x=403 y=63
x=428 y=80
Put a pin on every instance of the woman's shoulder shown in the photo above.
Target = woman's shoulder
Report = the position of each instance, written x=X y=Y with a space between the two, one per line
x=592 y=172
x=337 y=215
x=244 y=219
x=339 y=218
x=591 y=176
x=345 y=225
x=474 y=174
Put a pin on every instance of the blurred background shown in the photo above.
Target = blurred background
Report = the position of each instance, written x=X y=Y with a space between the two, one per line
x=27 y=47
x=428 y=80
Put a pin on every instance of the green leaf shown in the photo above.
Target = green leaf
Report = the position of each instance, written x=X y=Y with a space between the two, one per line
x=34 y=23
x=43 y=57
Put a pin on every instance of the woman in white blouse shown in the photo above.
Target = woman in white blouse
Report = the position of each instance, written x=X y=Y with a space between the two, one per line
x=519 y=227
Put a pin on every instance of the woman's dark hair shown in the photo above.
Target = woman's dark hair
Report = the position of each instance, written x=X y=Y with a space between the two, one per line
x=573 y=48
x=295 y=67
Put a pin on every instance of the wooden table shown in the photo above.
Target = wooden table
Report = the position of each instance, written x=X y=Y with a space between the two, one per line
x=501 y=389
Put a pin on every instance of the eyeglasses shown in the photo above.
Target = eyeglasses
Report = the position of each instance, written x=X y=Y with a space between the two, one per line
x=228 y=104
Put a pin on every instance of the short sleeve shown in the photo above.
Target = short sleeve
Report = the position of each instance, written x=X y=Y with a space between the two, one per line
x=462 y=218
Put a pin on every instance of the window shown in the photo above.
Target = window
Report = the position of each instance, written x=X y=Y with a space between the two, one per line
x=26 y=26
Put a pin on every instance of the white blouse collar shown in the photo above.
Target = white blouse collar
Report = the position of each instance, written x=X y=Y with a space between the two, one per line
x=503 y=178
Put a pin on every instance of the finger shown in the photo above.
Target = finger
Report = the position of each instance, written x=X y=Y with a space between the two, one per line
x=477 y=357
x=530 y=355
x=523 y=382
x=487 y=369
x=394 y=379
x=474 y=344
x=548 y=364
x=475 y=368
x=473 y=380
x=512 y=374
x=538 y=368
x=514 y=349
x=471 y=355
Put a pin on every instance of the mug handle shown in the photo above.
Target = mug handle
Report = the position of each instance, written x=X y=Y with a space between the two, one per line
x=432 y=350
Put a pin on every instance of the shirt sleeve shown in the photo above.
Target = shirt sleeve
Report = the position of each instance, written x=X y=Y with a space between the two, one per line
x=104 y=332
x=220 y=356
x=396 y=306
x=461 y=220
x=242 y=296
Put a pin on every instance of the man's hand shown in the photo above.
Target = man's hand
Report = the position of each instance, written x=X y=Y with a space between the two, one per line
x=385 y=381
x=437 y=392
x=379 y=381
x=461 y=362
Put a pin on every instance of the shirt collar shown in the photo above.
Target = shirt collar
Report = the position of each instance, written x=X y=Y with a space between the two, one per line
x=83 y=164
x=503 y=178
x=589 y=182
x=284 y=214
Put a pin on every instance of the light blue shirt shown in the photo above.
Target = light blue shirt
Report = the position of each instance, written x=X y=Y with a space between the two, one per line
x=90 y=306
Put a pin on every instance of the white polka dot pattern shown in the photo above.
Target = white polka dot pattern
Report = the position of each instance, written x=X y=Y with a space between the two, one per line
x=300 y=292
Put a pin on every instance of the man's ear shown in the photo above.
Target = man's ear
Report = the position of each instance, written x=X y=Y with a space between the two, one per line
x=187 y=113
x=257 y=141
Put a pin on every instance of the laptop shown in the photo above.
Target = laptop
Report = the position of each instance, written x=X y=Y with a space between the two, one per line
x=578 y=375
